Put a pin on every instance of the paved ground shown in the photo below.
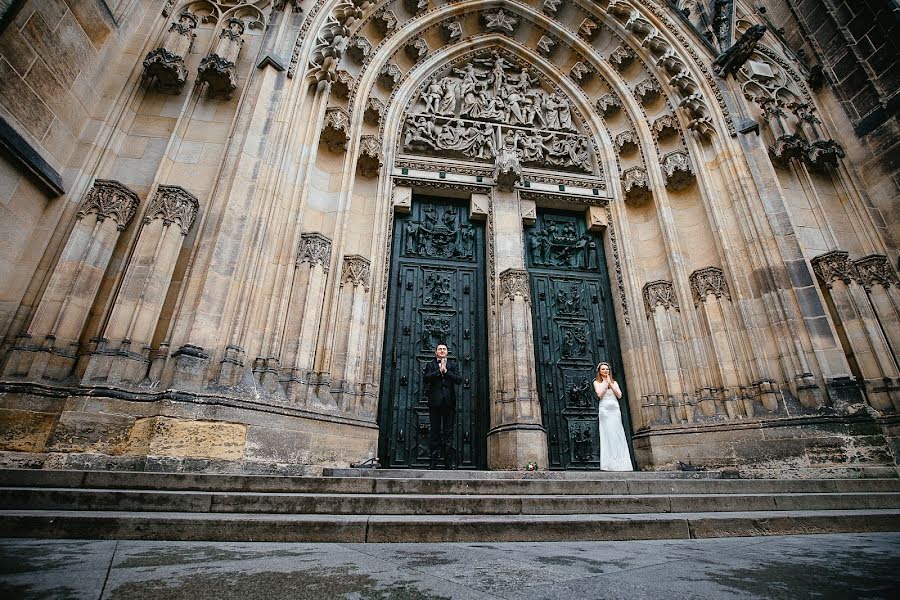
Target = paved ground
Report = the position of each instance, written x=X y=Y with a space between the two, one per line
x=822 y=566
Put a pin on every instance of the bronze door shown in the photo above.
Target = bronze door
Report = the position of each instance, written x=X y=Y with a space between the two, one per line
x=574 y=329
x=436 y=295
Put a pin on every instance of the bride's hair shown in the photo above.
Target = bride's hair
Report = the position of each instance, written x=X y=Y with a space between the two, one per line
x=611 y=378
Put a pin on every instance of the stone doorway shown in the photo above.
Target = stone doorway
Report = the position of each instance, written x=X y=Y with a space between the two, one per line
x=574 y=329
x=436 y=294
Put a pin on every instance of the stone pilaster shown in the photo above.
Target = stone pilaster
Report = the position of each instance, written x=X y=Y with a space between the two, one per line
x=305 y=314
x=347 y=376
x=855 y=315
x=48 y=347
x=123 y=352
x=662 y=309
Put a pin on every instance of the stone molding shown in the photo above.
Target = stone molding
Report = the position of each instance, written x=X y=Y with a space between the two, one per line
x=659 y=293
x=108 y=198
x=834 y=265
x=876 y=269
x=356 y=271
x=173 y=203
x=709 y=280
x=513 y=283
x=314 y=249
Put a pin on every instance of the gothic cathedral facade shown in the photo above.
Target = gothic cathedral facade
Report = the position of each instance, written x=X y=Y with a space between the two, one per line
x=235 y=230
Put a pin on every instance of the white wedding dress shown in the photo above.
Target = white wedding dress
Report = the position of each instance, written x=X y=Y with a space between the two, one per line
x=614 y=454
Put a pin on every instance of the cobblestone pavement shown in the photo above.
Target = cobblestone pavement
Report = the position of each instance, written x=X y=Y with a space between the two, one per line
x=814 y=566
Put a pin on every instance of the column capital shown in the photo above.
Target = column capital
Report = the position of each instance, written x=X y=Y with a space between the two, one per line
x=659 y=293
x=514 y=282
x=834 y=265
x=108 y=198
x=709 y=280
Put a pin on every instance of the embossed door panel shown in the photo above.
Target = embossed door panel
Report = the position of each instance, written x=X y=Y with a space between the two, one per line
x=573 y=331
x=436 y=295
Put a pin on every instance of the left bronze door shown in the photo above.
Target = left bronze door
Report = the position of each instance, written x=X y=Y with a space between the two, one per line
x=436 y=294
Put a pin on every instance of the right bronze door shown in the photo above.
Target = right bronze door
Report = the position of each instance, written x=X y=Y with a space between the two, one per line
x=574 y=329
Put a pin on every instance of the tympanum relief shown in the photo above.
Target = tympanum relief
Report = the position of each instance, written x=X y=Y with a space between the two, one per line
x=473 y=111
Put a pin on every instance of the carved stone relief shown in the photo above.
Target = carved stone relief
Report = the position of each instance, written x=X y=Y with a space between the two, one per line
x=834 y=265
x=109 y=199
x=172 y=204
x=513 y=284
x=467 y=111
x=356 y=271
x=876 y=269
x=166 y=63
x=677 y=169
x=500 y=21
x=314 y=249
x=659 y=293
x=706 y=281
x=369 y=162
x=218 y=69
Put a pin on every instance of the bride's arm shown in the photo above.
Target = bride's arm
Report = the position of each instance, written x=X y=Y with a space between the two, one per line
x=616 y=390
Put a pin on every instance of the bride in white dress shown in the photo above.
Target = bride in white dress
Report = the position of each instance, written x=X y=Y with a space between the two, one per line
x=614 y=454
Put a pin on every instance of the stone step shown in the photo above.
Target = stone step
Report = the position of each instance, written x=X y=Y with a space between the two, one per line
x=406 y=528
x=470 y=474
x=419 y=504
x=624 y=484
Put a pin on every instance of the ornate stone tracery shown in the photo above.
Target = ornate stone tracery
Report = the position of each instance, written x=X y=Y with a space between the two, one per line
x=514 y=284
x=833 y=266
x=876 y=269
x=659 y=293
x=173 y=203
x=356 y=271
x=709 y=280
x=314 y=249
x=109 y=199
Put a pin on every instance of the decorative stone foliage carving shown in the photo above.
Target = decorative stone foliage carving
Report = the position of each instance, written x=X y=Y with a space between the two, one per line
x=514 y=283
x=415 y=6
x=389 y=76
x=336 y=129
x=607 y=104
x=172 y=204
x=665 y=126
x=314 y=249
x=416 y=49
x=218 y=69
x=876 y=269
x=627 y=142
x=328 y=49
x=500 y=21
x=374 y=111
x=834 y=265
x=647 y=91
x=581 y=72
x=551 y=6
x=369 y=162
x=359 y=49
x=166 y=63
x=385 y=22
x=659 y=293
x=342 y=83
x=545 y=45
x=109 y=199
x=677 y=168
x=621 y=57
x=451 y=30
x=635 y=184
x=709 y=280
x=356 y=271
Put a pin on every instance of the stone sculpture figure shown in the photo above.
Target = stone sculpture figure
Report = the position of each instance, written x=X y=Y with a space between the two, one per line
x=433 y=96
x=508 y=169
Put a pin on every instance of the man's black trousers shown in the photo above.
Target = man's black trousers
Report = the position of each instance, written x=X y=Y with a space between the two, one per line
x=442 y=421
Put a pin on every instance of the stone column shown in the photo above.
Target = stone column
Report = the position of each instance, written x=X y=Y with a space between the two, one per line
x=870 y=350
x=123 y=352
x=305 y=312
x=710 y=295
x=166 y=63
x=48 y=348
x=218 y=69
x=880 y=281
x=347 y=349
x=516 y=436
x=662 y=304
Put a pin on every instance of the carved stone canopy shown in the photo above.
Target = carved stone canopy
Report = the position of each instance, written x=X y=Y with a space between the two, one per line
x=514 y=284
x=876 y=269
x=369 y=162
x=665 y=126
x=833 y=266
x=581 y=72
x=546 y=44
x=314 y=249
x=709 y=280
x=389 y=76
x=335 y=130
x=659 y=293
x=647 y=91
x=677 y=169
x=172 y=204
x=356 y=271
x=607 y=104
x=627 y=141
x=374 y=111
x=452 y=30
x=359 y=49
x=416 y=49
x=636 y=185
x=109 y=199
x=551 y=6
x=621 y=57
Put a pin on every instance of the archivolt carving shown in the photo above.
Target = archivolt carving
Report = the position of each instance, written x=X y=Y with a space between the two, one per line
x=108 y=198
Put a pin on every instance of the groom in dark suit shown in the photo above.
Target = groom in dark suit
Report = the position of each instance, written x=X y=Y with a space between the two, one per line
x=441 y=376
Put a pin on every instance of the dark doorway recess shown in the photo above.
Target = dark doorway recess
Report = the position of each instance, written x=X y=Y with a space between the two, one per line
x=436 y=294
x=574 y=329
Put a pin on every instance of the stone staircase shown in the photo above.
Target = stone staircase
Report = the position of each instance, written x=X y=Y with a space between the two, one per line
x=348 y=505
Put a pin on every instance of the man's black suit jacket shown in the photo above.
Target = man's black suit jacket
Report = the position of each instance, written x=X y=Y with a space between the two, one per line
x=440 y=388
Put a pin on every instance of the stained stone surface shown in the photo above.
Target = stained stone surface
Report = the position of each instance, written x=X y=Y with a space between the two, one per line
x=825 y=566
